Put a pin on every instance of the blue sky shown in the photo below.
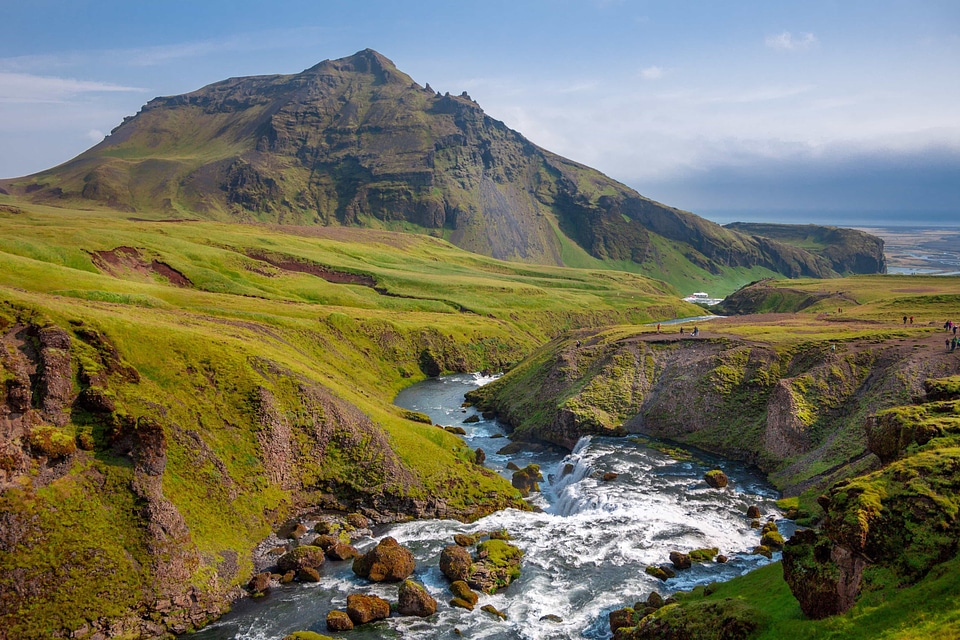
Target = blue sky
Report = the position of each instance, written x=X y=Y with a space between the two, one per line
x=752 y=109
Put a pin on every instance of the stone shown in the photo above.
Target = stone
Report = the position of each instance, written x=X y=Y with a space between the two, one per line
x=325 y=541
x=306 y=635
x=654 y=600
x=471 y=419
x=339 y=621
x=260 y=583
x=512 y=466
x=489 y=608
x=462 y=590
x=722 y=559
x=551 y=617
x=716 y=478
x=526 y=480
x=762 y=551
x=358 y=521
x=459 y=431
x=288 y=577
x=307 y=556
x=610 y=475
x=364 y=608
x=680 y=560
x=387 y=562
x=461 y=603
x=479 y=456
x=455 y=563
x=703 y=555
x=754 y=524
x=772 y=539
x=414 y=600
x=753 y=511
x=298 y=532
x=466 y=540
x=307 y=574
x=341 y=551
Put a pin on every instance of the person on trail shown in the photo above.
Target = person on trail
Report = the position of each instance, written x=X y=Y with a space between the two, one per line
x=954 y=329
x=658 y=327
x=681 y=330
x=696 y=331
x=911 y=319
x=904 y=319
x=953 y=344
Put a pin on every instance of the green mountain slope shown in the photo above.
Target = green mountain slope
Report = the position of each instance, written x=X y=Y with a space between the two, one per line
x=356 y=142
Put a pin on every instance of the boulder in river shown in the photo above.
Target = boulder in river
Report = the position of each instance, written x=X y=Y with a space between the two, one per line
x=457 y=431
x=496 y=566
x=339 y=621
x=308 y=574
x=772 y=539
x=512 y=466
x=609 y=476
x=341 y=551
x=703 y=555
x=387 y=562
x=462 y=590
x=526 y=480
x=305 y=557
x=455 y=562
x=466 y=540
x=489 y=608
x=260 y=583
x=471 y=419
x=680 y=560
x=306 y=635
x=414 y=600
x=363 y=608
x=716 y=478
x=753 y=511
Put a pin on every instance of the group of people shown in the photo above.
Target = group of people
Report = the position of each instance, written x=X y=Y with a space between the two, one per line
x=694 y=333
x=952 y=343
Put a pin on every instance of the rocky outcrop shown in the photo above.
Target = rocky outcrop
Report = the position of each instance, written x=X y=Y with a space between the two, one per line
x=849 y=251
x=527 y=480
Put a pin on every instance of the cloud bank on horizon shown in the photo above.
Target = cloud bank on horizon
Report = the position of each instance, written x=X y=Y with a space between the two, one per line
x=823 y=106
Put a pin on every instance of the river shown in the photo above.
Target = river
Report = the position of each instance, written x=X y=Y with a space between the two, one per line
x=585 y=553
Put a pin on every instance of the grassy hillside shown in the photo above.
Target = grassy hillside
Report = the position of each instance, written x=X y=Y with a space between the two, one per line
x=171 y=391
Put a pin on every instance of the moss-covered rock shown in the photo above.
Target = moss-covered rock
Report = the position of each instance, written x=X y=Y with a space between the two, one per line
x=414 y=600
x=339 y=621
x=387 y=562
x=716 y=478
x=526 y=480
x=304 y=557
x=306 y=635
x=363 y=608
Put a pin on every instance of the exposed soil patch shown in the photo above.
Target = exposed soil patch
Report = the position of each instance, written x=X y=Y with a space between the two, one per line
x=128 y=259
x=330 y=275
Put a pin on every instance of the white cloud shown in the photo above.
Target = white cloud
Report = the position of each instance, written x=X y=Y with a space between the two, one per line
x=651 y=73
x=786 y=41
x=22 y=87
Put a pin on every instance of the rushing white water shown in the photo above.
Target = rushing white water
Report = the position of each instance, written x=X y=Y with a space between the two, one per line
x=584 y=554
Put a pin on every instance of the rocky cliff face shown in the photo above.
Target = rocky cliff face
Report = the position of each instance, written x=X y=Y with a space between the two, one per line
x=893 y=525
x=788 y=410
x=357 y=142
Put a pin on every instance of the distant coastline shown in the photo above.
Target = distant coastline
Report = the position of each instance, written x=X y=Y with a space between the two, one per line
x=914 y=244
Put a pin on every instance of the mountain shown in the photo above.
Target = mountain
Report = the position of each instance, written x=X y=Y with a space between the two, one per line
x=849 y=251
x=357 y=142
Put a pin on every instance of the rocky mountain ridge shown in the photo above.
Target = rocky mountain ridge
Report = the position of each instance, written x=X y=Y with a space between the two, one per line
x=355 y=141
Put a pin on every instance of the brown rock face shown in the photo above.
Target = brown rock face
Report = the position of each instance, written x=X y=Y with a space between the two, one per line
x=387 y=562
x=753 y=511
x=455 y=563
x=413 y=600
x=824 y=577
x=363 y=608
x=56 y=375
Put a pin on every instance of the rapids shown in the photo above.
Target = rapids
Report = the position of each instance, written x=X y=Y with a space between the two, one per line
x=585 y=553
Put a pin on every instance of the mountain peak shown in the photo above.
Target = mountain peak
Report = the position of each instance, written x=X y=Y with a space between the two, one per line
x=365 y=61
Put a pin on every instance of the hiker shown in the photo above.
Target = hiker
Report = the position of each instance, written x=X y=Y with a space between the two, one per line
x=578 y=344
x=696 y=331
x=904 y=320
x=953 y=344
x=658 y=327
x=681 y=330
x=954 y=329
x=911 y=319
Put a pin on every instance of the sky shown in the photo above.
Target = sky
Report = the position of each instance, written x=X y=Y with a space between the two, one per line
x=844 y=111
